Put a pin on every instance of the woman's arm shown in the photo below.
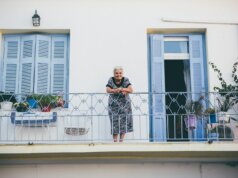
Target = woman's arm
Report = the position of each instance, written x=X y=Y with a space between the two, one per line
x=129 y=89
x=111 y=90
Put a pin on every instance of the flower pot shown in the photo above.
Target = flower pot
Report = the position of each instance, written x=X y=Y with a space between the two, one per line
x=6 y=106
x=32 y=103
x=213 y=118
x=60 y=102
x=190 y=122
x=46 y=109
x=21 y=109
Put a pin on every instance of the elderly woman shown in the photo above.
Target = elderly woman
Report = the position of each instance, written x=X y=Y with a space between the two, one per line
x=119 y=104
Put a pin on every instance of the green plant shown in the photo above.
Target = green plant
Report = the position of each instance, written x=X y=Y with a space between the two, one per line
x=229 y=92
x=46 y=100
x=209 y=111
x=194 y=107
x=59 y=101
x=226 y=102
x=226 y=88
x=7 y=96
x=21 y=106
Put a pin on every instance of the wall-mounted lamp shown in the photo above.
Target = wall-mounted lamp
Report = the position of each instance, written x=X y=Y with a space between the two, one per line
x=36 y=19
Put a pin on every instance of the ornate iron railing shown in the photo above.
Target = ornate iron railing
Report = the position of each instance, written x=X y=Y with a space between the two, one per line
x=84 y=117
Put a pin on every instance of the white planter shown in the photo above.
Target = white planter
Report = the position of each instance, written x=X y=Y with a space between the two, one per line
x=223 y=117
x=6 y=106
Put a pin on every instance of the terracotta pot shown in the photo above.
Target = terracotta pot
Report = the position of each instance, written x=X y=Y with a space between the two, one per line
x=46 y=109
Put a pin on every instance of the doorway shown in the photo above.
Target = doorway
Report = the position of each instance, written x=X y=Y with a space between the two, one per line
x=176 y=72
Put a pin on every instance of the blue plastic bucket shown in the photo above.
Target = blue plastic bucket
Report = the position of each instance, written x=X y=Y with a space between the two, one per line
x=32 y=103
x=213 y=118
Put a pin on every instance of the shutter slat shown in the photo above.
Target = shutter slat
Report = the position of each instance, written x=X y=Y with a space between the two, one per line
x=27 y=48
x=58 y=78
x=26 y=80
x=11 y=76
x=12 y=49
x=43 y=63
x=43 y=49
x=59 y=49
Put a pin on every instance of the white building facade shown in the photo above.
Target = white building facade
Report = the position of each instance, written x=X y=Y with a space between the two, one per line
x=163 y=46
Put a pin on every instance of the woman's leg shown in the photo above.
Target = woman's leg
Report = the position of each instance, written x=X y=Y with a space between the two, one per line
x=114 y=125
x=122 y=135
x=115 y=137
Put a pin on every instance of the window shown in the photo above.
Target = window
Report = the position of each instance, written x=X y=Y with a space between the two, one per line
x=35 y=63
x=176 y=48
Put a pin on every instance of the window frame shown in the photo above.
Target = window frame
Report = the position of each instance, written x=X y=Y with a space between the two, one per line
x=154 y=122
x=176 y=56
x=67 y=62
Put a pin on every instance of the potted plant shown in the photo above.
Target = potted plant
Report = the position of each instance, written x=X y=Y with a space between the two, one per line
x=59 y=101
x=46 y=102
x=224 y=104
x=210 y=112
x=32 y=100
x=226 y=89
x=193 y=110
x=7 y=100
x=228 y=92
x=21 y=106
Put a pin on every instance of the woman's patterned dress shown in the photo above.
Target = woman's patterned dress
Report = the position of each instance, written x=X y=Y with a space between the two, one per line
x=119 y=108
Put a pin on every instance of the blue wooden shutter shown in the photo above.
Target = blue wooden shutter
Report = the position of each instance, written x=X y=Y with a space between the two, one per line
x=158 y=86
x=196 y=66
x=58 y=66
x=42 y=64
x=11 y=63
x=27 y=64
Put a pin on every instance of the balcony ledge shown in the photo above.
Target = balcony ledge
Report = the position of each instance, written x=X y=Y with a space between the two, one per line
x=120 y=152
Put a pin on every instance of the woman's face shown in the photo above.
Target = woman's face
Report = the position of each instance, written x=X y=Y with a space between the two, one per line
x=118 y=74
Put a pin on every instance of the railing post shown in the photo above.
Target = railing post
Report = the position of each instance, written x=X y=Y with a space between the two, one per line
x=91 y=113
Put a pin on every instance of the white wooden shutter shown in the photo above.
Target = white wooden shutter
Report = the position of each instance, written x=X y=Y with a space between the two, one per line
x=11 y=63
x=158 y=86
x=58 y=66
x=42 y=64
x=196 y=66
x=27 y=64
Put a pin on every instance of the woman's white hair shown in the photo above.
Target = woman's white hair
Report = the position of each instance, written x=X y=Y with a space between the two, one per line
x=117 y=68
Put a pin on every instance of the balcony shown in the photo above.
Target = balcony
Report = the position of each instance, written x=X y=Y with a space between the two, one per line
x=165 y=125
x=157 y=117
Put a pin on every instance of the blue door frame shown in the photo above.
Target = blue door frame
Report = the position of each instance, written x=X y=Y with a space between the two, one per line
x=149 y=63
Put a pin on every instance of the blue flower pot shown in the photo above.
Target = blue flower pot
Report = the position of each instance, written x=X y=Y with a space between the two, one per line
x=213 y=118
x=32 y=103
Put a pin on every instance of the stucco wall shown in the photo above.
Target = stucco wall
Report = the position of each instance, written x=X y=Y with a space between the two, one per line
x=165 y=170
x=106 y=33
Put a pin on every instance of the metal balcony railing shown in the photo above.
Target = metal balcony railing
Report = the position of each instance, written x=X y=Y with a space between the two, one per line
x=84 y=117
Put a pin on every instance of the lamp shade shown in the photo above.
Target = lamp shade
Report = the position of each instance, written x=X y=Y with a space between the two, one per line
x=36 y=19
